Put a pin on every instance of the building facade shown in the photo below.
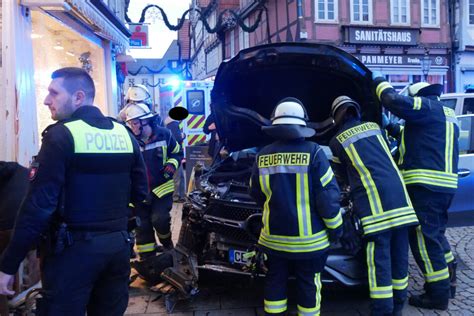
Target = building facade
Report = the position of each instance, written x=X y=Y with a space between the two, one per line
x=391 y=36
x=463 y=40
x=39 y=36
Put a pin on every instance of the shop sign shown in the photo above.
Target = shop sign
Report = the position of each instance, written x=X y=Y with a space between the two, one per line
x=399 y=60
x=139 y=37
x=386 y=36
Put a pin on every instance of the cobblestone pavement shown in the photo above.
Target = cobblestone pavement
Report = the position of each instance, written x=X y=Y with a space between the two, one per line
x=221 y=296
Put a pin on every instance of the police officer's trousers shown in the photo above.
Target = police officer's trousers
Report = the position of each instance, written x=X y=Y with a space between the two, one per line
x=91 y=275
x=387 y=269
x=308 y=284
x=154 y=217
x=428 y=242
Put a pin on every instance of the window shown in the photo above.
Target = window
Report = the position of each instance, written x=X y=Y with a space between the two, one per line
x=468 y=107
x=400 y=11
x=450 y=103
x=466 y=134
x=430 y=12
x=361 y=11
x=244 y=37
x=326 y=10
x=471 y=12
x=232 y=43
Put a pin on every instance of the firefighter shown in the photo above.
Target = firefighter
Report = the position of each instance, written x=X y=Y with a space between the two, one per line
x=81 y=182
x=138 y=93
x=295 y=186
x=380 y=200
x=162 y=156
x=428 y=160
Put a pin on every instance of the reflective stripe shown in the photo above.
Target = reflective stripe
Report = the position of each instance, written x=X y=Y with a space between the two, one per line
x=334 y=222
x=176 y=149
x=402 y=149
x=387 y=151
x=423 y=251
x=453 y=120
x=154 y=145
x=174 y=162
x=449 y=257
x=92 y=140
x=396 y=222
x=381 y=87
x=327 y=177
x=294 y=248
x=164 y=188
x=307 y=208
x=400 y=284
x=275 y=307
x=399 y=212
x=282 y=169
x=146 y=247
x=353 y=139
x=319 y=237
x=449 y=147
x=431 y=177
x=437 y=275
x=335 y=159
x=381 y=292
x=302 y=207
x=265 y=186
x=366 y=179
x=416 y=103
x=305 y=311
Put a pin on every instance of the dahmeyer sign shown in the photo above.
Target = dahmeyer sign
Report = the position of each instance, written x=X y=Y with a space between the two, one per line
x=386 y=36
x=399 y=60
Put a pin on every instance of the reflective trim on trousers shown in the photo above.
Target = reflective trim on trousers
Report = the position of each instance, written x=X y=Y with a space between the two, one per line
x=275 y=307
x=146 y=247
x=400 y=284
x=437 y=275
x=423 y=250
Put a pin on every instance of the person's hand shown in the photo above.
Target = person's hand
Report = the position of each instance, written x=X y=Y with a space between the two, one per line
x=6 y=284
x=377 y=74
x=385 y=120
x=212 y=126
x=168 y=171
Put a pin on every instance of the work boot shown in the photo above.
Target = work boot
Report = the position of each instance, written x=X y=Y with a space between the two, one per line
x=425 y=301
x=452 y=267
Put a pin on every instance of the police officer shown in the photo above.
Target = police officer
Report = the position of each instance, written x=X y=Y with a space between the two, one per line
x=380 y=201
x=162 y=156
x=295 y=185
x=87 y=171
x=428 y=161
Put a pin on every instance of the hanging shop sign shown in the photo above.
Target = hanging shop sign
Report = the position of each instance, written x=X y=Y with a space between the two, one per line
x=386 y=36
x=139 y=37
x=399 y=60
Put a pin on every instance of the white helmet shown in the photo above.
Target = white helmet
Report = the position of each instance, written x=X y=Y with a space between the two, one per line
x=138 y=93
x=137 y=111
x=424 y=89
x=416 y=87
x=289 y=111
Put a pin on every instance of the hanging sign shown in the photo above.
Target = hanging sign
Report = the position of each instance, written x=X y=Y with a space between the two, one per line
x=139 y=38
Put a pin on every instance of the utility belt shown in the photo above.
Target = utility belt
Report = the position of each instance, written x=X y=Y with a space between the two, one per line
x=63 y=235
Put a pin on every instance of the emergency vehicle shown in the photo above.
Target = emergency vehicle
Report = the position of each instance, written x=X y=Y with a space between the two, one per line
x=195 y=96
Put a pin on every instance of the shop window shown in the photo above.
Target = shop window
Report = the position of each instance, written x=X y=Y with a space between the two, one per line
x=55 y=46
x=430 y=13
x=326 y=10
x=400 y=12
x=471 y=12
x=361 y=11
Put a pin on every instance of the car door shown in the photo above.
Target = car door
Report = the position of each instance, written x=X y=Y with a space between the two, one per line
x=463 y=200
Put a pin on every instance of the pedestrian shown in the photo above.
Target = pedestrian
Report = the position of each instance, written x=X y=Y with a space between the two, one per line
x=428 y=160
x=162 y=155
x=294 y=184
x=87 y=171
x=380 y=201
x=178 y=178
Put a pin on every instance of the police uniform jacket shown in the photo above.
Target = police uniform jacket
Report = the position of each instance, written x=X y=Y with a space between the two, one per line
x=294 y=183
x=428 y=151
x=377 y=190
x=93 y=166
x=161 y=149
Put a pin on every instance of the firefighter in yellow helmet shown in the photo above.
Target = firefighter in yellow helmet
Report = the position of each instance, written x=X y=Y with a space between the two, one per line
x=294 y=184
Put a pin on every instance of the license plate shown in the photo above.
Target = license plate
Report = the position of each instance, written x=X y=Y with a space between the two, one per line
x=237 y=256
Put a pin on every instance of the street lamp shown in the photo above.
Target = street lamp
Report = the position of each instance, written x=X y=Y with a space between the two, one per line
x=425 y=66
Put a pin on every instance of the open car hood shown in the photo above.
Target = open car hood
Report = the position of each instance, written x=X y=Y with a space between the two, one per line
x=247 y=88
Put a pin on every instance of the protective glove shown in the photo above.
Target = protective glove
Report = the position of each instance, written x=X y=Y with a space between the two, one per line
x=168 y=171
x=334 y=235
x=377 y=74
x=350 y=239
x=385 y=120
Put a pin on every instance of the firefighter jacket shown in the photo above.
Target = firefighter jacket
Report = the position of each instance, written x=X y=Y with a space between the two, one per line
x=379 y=196
x=294 y=183
x=428 y=152
x=88 y=168
x=160 y=150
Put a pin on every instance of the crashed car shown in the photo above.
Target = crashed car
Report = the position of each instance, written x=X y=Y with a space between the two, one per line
x=221 y=223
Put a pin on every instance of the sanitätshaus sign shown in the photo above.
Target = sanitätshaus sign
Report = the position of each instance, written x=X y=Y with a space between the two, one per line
x=386 y=36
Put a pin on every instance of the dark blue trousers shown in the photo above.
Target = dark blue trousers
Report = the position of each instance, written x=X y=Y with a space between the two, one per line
x=387 y=269
x=428 y=243
x=308 y=284
x=91 y=275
